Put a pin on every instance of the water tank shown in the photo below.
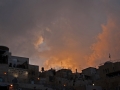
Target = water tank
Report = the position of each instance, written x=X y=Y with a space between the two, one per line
x=4 y=48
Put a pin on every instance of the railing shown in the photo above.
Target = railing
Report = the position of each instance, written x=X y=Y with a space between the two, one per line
x=113 y=61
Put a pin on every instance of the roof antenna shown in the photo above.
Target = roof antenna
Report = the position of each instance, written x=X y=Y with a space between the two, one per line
x=109 y=56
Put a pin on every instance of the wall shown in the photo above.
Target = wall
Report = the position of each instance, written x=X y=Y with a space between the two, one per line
x=33 y=71
x=4 y=72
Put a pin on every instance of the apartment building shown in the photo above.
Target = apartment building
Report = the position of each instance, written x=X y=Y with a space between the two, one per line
x=109 y=75
x=15 y=69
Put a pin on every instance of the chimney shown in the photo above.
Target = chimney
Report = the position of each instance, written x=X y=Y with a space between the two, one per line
x=76 y=70
x=42 y=69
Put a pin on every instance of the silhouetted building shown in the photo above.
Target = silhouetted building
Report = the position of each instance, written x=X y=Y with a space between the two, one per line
x=14 y=69
x=109 y=75
x=33 y=74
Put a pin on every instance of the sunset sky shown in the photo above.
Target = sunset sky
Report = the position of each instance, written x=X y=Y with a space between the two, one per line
x=72 y=34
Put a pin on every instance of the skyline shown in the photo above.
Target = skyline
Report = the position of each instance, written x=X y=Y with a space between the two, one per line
x=77 y=33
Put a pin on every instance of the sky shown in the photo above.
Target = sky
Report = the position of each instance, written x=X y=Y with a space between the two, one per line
x=72 y=34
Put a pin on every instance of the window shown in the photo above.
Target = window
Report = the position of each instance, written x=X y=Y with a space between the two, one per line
x=103 y=71
x=10 y=64
x=33 y=73
x=113 y=69
x=1 y=80
x=59 y=82
x=107 y=70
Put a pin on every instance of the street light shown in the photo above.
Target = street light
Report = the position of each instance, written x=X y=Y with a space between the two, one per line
x=5 y=73
x=38 y=78
x=11 y=85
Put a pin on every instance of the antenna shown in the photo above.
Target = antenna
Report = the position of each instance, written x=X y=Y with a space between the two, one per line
x=61 y=63
x=110 y=56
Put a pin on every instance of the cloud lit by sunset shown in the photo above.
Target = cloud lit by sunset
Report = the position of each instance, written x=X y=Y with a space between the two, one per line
x=58 y=34
x=107 y=42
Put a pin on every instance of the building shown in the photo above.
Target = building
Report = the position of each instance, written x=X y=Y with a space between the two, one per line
x=33 y=74
x=109 y=75
x=14 y=69
x=92 y=73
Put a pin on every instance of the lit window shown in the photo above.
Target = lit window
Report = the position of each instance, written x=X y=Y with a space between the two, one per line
x=11 y=85
x=26 y=73
x=5 y=73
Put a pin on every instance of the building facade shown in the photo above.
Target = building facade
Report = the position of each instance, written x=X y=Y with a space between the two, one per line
x=109 y=75
x=14 y=69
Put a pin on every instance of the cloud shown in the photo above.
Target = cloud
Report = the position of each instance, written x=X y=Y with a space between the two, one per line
x=107 y=42
x=53 y=31
x=40 y=45
x=65 y=46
